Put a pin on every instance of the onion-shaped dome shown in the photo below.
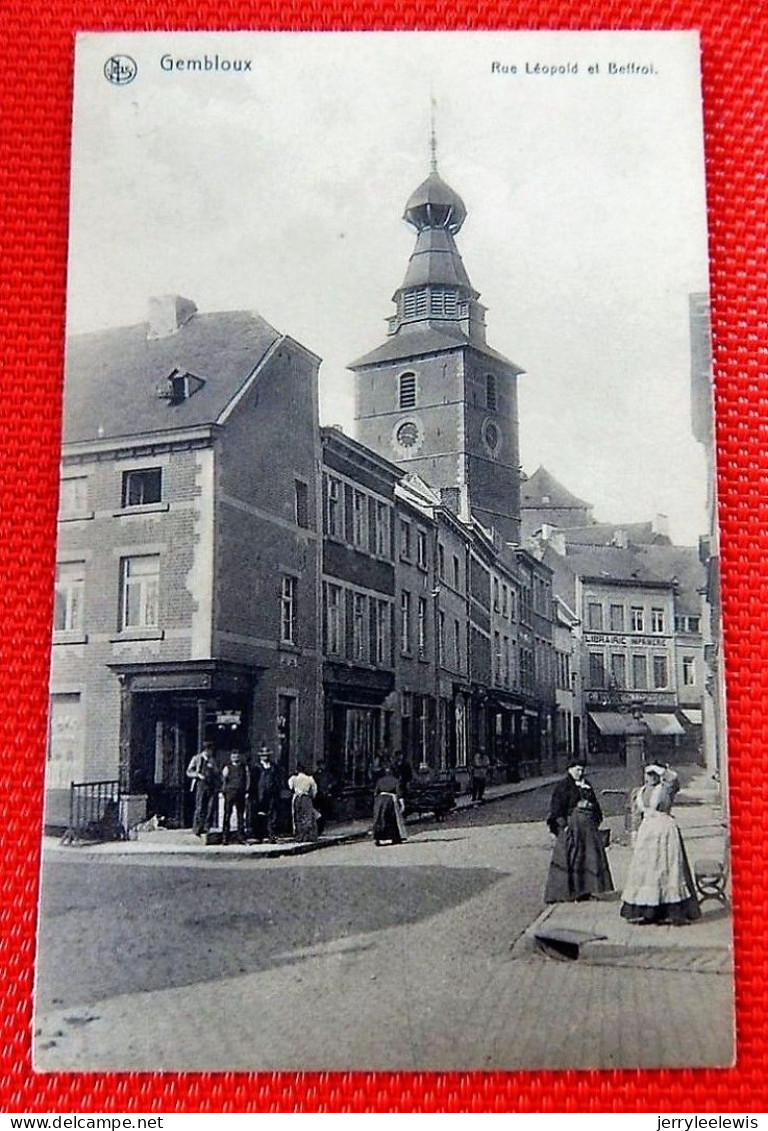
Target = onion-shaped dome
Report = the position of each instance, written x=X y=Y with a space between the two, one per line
x=434 y=204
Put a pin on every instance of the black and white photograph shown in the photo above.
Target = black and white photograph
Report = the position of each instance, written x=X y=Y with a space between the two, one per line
x=387 y=725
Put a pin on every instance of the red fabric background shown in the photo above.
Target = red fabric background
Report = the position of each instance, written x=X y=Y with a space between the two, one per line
x=35 y=98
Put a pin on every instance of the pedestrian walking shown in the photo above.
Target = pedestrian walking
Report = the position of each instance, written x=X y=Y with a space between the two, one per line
x=204 y=782
x=265 y=797
x=235 y=784
x=388 y=823
x=481 y=764
x=304 y=789
x=579 y=867
x=659 y=887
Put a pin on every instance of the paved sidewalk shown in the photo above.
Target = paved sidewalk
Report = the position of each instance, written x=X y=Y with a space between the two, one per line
x=182 y=842
x=594 y=932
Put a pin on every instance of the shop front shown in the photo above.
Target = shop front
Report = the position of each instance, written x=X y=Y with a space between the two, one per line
x=357 y=731
x=167 y=712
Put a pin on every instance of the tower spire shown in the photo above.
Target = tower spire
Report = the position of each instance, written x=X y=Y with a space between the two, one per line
x=432 y=135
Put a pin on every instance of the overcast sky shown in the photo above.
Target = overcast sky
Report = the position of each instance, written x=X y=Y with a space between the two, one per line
x=281 y=189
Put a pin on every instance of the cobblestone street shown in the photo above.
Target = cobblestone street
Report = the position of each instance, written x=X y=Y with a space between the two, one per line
x=355 y=957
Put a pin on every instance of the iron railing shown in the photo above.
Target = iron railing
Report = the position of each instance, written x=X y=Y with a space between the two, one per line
x=94 y=812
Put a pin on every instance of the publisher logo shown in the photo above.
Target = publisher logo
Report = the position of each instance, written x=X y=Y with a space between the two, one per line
x=120 y=69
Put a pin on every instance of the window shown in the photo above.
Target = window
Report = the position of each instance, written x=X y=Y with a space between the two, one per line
x=640 y=673
x=288 y=610
x=359 y=626
x=694 y=624
x=407 y=390
x=596 y=669
x=441 y=637
x=73 y=495
x=381 y=633
x=414 y=303
x=68 y=603
x=141 y=488
x=505 y=662
x=512 y=605
x=657 y=620
x=405 y=621
x=689 y=671
x=456 y=572
x=443 y=301
x=637 y=619
x=496 y=598
x=441 y=559
x=405 y=539
x=679 y=624
x=422 y=625
x=619 y=669
x=382 y=530
x=497 y=657
x=301 y=499
x=660 y=671
x=594 y=617
x=504 y=601
x=616 y=615
x=421 y=548
x=359 y=520
x=139 y=592
x=334 y=505
x=333 y=620
x=457 y=644
x=490 y=391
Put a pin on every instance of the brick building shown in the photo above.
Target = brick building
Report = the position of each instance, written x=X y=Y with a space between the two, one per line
x=188 y=564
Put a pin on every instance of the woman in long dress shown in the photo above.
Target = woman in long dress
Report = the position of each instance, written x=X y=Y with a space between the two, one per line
x=388 y=823
x=304 y=789
x=659 y=887
x=579 y=867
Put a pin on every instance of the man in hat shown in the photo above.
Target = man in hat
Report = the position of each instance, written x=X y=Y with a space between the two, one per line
x=203 y=776
x=265 y=796
x=236 y=782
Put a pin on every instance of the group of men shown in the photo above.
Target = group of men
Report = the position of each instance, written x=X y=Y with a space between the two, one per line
x=251 y=792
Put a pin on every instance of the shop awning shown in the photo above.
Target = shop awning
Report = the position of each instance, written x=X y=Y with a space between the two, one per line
x=610 y=722
x=692 y=715
x=663 y=724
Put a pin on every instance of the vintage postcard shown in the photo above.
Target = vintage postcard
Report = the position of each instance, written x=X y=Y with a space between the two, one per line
x=386 y=718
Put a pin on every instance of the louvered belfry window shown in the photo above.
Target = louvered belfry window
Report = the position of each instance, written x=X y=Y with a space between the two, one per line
x=407 y=390
x=415 y=303
x=444 y=302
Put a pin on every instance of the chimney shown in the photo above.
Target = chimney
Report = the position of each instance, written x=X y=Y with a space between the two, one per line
x=450 y=497
x=661 y=525
x=557 y=542
x=620 y=539
x=167 y=314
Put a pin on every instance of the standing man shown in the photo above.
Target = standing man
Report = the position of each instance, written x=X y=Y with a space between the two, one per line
x=265 y=795
x=236 y=782
x=480 y=766
x=203 y=777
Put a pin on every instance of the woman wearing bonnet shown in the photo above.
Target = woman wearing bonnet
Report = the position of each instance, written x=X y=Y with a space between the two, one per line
x=659 y=887
x=579 y=867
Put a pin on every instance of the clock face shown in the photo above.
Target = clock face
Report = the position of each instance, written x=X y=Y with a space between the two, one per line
x=491 y=434
x=408 y=434
x=407 y=437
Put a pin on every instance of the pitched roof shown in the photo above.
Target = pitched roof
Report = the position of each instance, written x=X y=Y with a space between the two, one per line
x=415 y=339
x=542 y=486
x=112 y=376
x=604 y=534
x=614 y=564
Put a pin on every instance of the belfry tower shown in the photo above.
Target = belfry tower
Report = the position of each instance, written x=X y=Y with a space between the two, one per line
x=435 y=398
